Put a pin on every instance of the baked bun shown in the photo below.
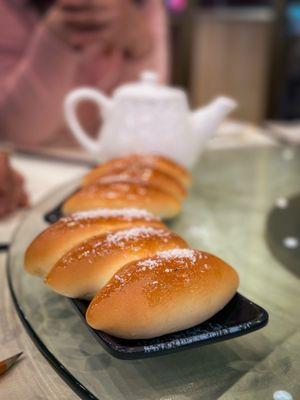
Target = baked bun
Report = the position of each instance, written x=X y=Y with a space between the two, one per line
x=168 y=292
x=87 y=267
x=50 y=245
x=123 y=194
x=161 y=163
x=140 y=173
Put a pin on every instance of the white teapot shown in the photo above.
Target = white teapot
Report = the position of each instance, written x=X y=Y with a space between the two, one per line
x=146 y=117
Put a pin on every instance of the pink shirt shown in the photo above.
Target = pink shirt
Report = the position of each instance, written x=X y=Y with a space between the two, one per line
x=37 y=70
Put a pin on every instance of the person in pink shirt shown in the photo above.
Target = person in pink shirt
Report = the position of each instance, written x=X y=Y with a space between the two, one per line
x=49 y=47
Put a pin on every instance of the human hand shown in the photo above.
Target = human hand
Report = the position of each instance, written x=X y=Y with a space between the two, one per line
x=12 y=193
x=82 y=23
x=132 y=35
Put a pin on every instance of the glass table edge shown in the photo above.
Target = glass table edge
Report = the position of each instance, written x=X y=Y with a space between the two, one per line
x=72 y=382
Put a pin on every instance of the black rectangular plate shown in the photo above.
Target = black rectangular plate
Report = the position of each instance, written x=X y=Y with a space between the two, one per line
x=239 y=317
x=54 y=214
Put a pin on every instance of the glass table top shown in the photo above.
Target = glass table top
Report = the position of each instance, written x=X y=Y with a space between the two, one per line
x=226 y=213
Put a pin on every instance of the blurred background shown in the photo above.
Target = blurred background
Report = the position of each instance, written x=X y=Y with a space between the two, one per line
x=247 y=49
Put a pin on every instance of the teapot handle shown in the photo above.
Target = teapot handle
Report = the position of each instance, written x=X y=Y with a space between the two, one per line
x=70 y=104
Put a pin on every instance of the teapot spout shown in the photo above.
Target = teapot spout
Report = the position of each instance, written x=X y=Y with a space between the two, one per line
x=206 y=120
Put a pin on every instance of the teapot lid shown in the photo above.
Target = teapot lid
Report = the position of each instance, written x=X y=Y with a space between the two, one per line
x=149 y=87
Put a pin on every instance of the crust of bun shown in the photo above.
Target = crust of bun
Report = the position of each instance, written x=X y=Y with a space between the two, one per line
x=88 y=266
x=171 y=291
x=138 y=173
x=123 y=194
x=159 y=162
x=51 y=244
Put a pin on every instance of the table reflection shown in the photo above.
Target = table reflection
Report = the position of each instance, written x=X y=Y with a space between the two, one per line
x=226 y=213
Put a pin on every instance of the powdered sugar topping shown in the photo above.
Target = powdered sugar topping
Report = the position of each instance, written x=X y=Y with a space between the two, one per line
x=126 y=213
x=167 y=255
x=162 y=275
x=147 y=264
x=136 y=233
x=179 y=253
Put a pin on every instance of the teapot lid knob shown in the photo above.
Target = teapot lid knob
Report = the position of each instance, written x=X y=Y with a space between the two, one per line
x=149 y=77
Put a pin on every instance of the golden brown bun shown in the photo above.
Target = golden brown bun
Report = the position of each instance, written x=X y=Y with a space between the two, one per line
x=88 y=266
x=50 y=245
x=123 y=194
x=161 y=163
x=139 y=173
x=171 y=291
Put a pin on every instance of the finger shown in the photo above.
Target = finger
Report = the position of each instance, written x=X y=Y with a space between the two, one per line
x=83 y=38
x=23 y=200
x=74 y=7
x=89 y=29
x=17 y=195
x=3 y=156
x=89 y=17
x=16 y=191
x=7 y=203
x=18 y=178
x=86 y=4
x=3 y=162
x=3 y=210
x=14 y=194
x=86 y=29
x=73 y=3
x=4 y=172
x=3 y=205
